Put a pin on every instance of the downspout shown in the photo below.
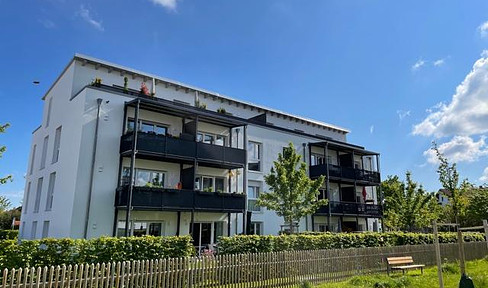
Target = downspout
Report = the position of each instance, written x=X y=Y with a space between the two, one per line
x=92 y=174
x=132 y=168
x=308 y=166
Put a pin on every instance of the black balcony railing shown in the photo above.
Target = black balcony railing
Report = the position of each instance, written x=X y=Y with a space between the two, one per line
x=177 y=148
x=151 y=198
x=350 y=208
x=336 y=171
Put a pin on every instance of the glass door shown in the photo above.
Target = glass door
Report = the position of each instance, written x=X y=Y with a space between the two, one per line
x=202 y=234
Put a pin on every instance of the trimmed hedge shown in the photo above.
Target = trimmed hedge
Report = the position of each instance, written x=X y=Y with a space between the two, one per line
x=8 y=234
x=316 y=241
x=48 y=251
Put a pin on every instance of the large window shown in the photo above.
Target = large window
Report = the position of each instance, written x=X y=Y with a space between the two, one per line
x=27 y=196
x=210 y=138
x=44 y=152
x=141 y=228
x=210 y=184
x=254 y=156
x=38 y=195
x=45 y=229
x=147 y=127
x=144 y=177
x=32 y=159
x=49 y=107
x=50 y=191
x=33 y=230
x=253 y=191
x=57 y=142
x=257 y=228
x=317 y=159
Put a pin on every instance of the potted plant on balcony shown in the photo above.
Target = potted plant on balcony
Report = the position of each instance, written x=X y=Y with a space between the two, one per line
x=97 y=82
x=126 y=85
x=221 y=111
x=144 y=90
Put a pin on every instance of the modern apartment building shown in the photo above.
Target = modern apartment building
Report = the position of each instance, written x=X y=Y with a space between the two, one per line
x=197 y=160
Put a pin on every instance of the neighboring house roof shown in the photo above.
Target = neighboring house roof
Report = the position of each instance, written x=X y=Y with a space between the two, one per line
x=112 y=66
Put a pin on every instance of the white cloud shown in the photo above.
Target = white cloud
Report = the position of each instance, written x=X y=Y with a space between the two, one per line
x=439 y=62
x=48 y=24
x=402 y=114
x=418 y=65
x=483 y=28
x=85 y=15
x=484 y=176
x=168 y=4
x=467 y=113
x=371 y=129
x=459 y=149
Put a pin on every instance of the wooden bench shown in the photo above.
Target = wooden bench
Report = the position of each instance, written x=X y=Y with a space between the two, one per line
x=402 y=263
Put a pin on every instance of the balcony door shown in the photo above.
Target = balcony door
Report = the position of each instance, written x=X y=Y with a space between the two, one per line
x=205 y=234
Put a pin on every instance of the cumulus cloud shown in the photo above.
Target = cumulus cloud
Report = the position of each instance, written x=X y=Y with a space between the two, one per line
x=459 y=149
x=483 y=29
x=467 y=113
x=371 y=129
x=484 y=176
x=419 y=64
x=167 y=4
x=402 y=114
x=85 y=15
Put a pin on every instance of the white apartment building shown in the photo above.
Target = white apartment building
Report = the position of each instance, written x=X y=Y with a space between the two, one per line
x=197 y=160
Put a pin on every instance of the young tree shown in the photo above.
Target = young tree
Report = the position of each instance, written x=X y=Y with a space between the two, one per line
x=292 y=194
x=449 y=178
x=4 y=180
x=4 y=204
x=407 y=206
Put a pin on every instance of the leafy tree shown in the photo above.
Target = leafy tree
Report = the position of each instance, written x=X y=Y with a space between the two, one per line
x=476 y=207
x=4 y=203
x=7 y=217
x=407 y=206
x=449 y=178
x=292 y=194
x=2 y=149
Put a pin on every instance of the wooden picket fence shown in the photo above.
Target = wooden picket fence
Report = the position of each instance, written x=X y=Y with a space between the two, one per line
x=277 y=269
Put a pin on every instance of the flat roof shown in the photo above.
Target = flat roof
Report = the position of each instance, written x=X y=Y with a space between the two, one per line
x=84 y=58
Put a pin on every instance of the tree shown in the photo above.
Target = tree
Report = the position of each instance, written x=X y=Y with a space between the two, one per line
x=4 y=203
x=477 y=206
x=2 y=150
x=407 y=206
x=292 y=194
x=449 y=178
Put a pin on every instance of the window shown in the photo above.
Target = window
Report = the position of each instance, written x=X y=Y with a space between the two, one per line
x=257 y=228
x=141 y=228
x=32 y=159
x=48 y=117
x=147 y=127
x=33 y=230
x=320 y=227
x=45 y=229
x=148 y=178
x=27 y=196
x=210 y=138
x=50 y=191
x=254 y=156
x=253 y=191
x=210 y=184
x=317 y=159
x=57 y=142
x=38 y=195
x=44 y=152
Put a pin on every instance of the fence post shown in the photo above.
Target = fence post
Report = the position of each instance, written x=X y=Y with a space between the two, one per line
x=438 y=254
x=485 y=226
x=462 y=265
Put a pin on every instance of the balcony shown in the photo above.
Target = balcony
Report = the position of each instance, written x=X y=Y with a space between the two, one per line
x=348 y=173
x=167 y=147
x=149 y=198
x=350 y=208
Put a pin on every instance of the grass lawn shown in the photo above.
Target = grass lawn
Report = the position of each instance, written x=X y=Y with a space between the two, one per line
x=477 y=270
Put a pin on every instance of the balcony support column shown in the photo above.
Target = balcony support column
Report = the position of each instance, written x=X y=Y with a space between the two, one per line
x=178 y=225
x=228 y=223
x=132 y=168
x=327 y=186
x=244 y=183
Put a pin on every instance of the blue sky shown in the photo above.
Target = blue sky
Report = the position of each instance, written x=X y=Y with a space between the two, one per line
x=398 y=75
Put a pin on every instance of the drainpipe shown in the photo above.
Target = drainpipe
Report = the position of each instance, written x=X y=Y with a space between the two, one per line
x=132 y=168
x=308 y=166
x=92 y=174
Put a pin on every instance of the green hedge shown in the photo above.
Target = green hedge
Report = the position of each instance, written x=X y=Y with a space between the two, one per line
x=315 y=241
x=49 y=251
x=8 y=234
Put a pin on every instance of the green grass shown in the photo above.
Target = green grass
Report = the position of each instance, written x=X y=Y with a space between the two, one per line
x=477 y=270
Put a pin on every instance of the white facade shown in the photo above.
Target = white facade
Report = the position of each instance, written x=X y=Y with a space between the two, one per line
x=60 y=207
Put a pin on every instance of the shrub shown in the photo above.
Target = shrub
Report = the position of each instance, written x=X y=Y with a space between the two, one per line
x=46 y=252
x=8 y=234
x=327 y=240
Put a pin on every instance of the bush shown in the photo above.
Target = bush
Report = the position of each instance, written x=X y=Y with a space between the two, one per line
x=46 y=252
x=8 y=234
x=327 y=240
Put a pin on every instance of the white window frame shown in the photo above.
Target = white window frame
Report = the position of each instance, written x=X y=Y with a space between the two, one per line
x=37 y=203
x=49 y=108
x=45 y=229
x=50 y=191
x=142 y=121
x=258 y=185
x=57 y=144
x=257 y=157
x=121 y=226
x=317 y=159
x=34 y=148
x=44 y=152
x=199 y=183
x=27 y=196
x=33 y=230
x=261 y=227
x=201 y=138
x=136 y=170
